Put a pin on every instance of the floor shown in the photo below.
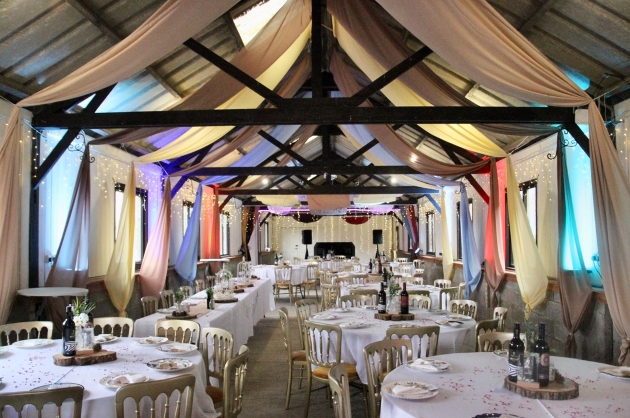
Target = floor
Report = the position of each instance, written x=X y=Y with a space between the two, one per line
x=265 y=385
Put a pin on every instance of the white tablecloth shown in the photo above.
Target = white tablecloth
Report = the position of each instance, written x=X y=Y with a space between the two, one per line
x=474 y=386
x=451 y=339
x=24 y=369
x=298 y=274
x=238 y=318
x=435 y=291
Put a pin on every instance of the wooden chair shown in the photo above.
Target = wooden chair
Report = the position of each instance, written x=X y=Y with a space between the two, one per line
x=432 y=332
x=322 y=353
x=420 y=302
x=182 y=385
x=10 y=333
x=311 y=280
x=234 y=382
x=442 y=283
x=356 y=301
x=339 y=257
x=463 y=307
x=405 y=269
x=483 y=327
x=305 y=308
x=167 y=297
x=446 y=295
x=115 y=325
x=501 y=314
x=418 y=264
x=492 y=341
x=283 y=281
x=381 y=357
x=419 y=292
x=188 y=292
x=402 y=260
x=340 y=391
x=19 y=400
x=336 y=265
x=296 y=358
x=372 y=292
x=218 y=347
x=330 y=294
x=200 y=284
x=462 y=291
x=149 y=305
x=179 y=330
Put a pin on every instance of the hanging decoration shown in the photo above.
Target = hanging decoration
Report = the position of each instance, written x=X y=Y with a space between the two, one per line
x=305 y=217
x=356 y=220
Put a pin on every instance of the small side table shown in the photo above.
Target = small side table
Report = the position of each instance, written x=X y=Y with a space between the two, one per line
x=51 y=292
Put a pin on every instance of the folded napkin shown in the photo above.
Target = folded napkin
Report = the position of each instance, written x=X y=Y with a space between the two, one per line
x=424 y=365
x=130 y=378
x=404 y=389
x=189 y=302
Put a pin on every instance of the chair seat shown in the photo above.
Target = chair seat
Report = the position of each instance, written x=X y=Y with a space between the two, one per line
x=215 y=393
x=298 y=355
x=322 y=372
x=283 y=284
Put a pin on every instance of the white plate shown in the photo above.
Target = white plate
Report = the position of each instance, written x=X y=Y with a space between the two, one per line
x=177 y=348
x=353 y=325
x=151 y=341
x=458 y=317
x=401 y=326
x=340 y=310
x=371 y=307
x=116 y=381
x=429 y=366
x=105 y=338
x=618 y=372
x=37 y=343
x=439 y=311
x=166 y=311
x=429 y=391
x=501 y=353
x=169 y=364
x=323 y=316
x=449 y=323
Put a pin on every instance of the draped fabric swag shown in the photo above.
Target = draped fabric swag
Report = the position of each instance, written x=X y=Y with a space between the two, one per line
x=186 y=264
x=447 y=203
x=248 y=224
x=470 y=257
x=494 y=244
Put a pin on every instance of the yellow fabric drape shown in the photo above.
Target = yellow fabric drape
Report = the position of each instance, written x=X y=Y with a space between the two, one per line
x=119 y=278
x=447 y=252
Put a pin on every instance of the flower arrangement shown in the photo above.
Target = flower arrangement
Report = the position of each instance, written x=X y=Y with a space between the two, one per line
x=179 y=296
x=80 y=311
x=394 y=289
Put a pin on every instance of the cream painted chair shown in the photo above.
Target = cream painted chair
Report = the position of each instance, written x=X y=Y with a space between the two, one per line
x=311 y=280
x=483 y=327
x=179 y=330
x=442 y=283
x=188 y=292
x=218 y=347
x=420 y=302
x=492 y=341
x=432 y=332
x=304 y=309
x=330 y=295
x=115 y=325
x=167 y=298
x=295 y=358
x=19 y=400
x=233 y=383
x=283 y=281
x=200 y=284
x=463 y=307
x=183 y=386
x=356 y=301
x=340 y=391
x=10 y=333
x=402 y=260
x=446 y=295
x=419 y=292
x=372 y=292
x=381 y=357
x=149 y=305
x=501 y=314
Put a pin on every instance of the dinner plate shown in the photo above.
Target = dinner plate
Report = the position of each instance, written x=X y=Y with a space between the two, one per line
x=371 y=307
x=449 y=323
x=353 y=325
x=36 y=343
x=116 y=381
x=177 y=348
x=54 y=386
x=323 y=316
x=401 y=326
x=169 y=364
x=105 y=338
x=415 y=390
x=501 y=353
x=458 y=317
x=340 y=310
x=166 y=311
x=151 y=341
x=619 y=372
x=439 y=311
x=428 y=365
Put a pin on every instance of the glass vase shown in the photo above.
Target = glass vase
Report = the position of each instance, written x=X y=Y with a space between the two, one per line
x=85 y=338
x=393 y=304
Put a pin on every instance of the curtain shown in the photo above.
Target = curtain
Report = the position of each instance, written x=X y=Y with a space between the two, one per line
x=494 y=247
x=213 y=235
x=248 y=223
x=155 y=261
x=119 y=278
x=186 y=265
x=447 y=203
x=408 y=216
x=470 y=256
x=575 y=287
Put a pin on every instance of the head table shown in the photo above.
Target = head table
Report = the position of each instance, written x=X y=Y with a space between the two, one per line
x=23 y=369
x=474 y=386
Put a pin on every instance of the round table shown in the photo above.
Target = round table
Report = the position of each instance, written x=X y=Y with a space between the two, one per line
x=298 y=273
x=435 y=291
x=474 y=385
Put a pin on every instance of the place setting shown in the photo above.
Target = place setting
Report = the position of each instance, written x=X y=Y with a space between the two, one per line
x=353 y=325
x=428 y=365
x=168 y=365
x=177 y=348
x=105 y=338
x=410 y=390
x=33 y=344
x=151 y=341
x=116 y=381
x=617 y=372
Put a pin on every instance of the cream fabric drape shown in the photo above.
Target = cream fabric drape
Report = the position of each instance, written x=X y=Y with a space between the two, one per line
x=119 y=278
x=154 y=266
x=447 y=205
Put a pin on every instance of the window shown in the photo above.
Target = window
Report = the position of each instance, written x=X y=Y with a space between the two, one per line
x=250 y=21
x=430 y=233
x=225 y=233
x=187 y=208
x=528 y=192
x=141 y=218
x=264 y=241
x=459 y=228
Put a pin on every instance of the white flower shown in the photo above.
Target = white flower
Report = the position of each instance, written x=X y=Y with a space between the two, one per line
x=81 y=320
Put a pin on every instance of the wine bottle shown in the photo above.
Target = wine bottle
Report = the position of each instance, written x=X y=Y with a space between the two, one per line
x=404 y=300
x=541 y=348
x=68 y=333
x=370 y=266
x=380 y=267
x=275 y=262
x=383 y=257
x=382 y=300
x=515 y=354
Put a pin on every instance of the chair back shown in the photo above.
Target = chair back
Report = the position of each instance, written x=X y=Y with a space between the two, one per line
x=446 y=295
x=286 y=331
x=492 y=341
x=357 y=267
x=218 y=347
x=188 y=292
x=418 y=264
x=432 y=333
x=327 y=277
x=149 y=305
x=420 y=301
x=305 y=308
x=200 y=284
x=405 y=269
x=283 y=274
x=10 y=333
x=243 y=267
x=339 y=257
x=373 y=292
x=19 y=400
x=381 y=357
x=323 y=344
x=463 y=307
x=184 y=386
x=317 y=257
x=312 y=270
x=356 y=301
x=501 y=314
x=483 y=327
x=167 y=298
x=336 y=265
x=179 y=330
x=419 y=292
x=402 y=260
x=330 y=294
x=233 y=383
x=115 y=325
x=340 y=391
x=442 y=283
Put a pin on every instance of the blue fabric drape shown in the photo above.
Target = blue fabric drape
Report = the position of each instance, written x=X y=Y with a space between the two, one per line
x=407 y=223
x=435 y=204
x=470 y=256
x=186 y=265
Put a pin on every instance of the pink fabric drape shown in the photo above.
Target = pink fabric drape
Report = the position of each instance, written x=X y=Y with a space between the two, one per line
x=413 y=222
x=495 y=240
x=155 y=261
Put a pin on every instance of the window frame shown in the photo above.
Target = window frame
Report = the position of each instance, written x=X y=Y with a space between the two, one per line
x=224 y=224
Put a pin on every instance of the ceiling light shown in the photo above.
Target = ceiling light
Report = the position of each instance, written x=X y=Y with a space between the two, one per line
x=394 y=180
x=265 y=181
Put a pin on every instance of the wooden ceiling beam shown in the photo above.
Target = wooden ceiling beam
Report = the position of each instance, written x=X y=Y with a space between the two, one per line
x=469 y=177
x=320 y=169
x=283 y=147
x=537 y=16
x=14 y=88
x=329 y=189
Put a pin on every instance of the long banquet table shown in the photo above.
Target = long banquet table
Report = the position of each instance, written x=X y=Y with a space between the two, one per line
x=474 y=386
x=23 y=369
x=238 y=318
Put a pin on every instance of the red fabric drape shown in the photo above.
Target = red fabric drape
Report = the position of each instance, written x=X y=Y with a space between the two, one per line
x=356 y=220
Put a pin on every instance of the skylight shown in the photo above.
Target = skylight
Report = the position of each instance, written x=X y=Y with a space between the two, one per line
x=250 y=22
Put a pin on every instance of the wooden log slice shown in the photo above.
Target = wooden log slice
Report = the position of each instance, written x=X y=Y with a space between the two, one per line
x=559 y=390
x=84 y=358
x=394 y=317
x=187 y=316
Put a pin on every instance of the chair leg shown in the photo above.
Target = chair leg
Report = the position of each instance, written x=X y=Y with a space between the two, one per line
x=308 y=394
x=286 y=406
